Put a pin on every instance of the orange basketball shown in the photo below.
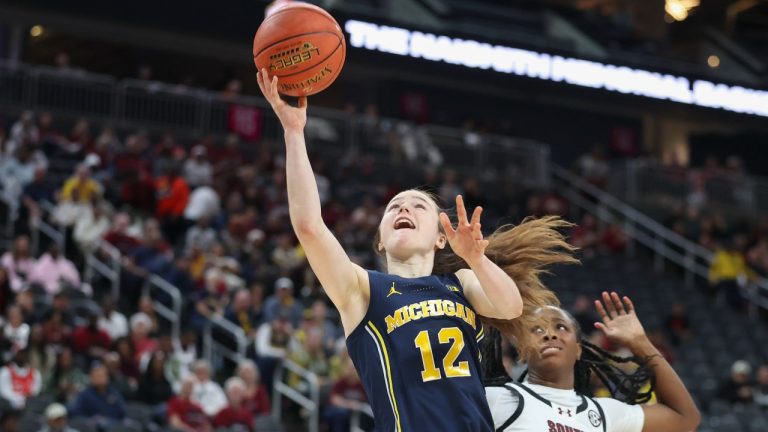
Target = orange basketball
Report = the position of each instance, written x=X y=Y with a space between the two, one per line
x=303 y=45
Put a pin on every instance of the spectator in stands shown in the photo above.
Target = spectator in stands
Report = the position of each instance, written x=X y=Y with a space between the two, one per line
x=42 y=357
x=101 y=403
x=593 y=167
x=147 y=306
x=184 y=413
x=737 y=389
x=81 y=188
x=728 y=273
x=256 y=397
x=757 y=256
x=54 y=271
x=197 y=169
x=201 y=236
x=120 y=235
x=19 y=381
x=235 y=413
x=22 y=131
x=56 y=419
x=16 y=172
x=9 y=420
x=613 y=240
x=89 y=341
x=272 y=339
x=239 y=312
x=346 y=394
x=207 y=393
x=15 y=330
x=232 y=89
x=55 y=330
x=311 y=355
x=36 y=192
x=93 y=223
x=6 y=293
x=678 y=325
x=287 y=256
x=112 y=321
x=181 y=359
x=67 y=378
x=583 y=312
x=283 y=302
x=585 y=235
x=154 y=388
x=19 y=262
x=124 y=384
x=172 y=196
x=760 y=390
x=61 y=305
x=141 y=325
x=203 y=202
x=129 y=365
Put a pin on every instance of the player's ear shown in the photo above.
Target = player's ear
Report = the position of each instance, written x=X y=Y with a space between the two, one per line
x=442 y=240
x=578 y=351
x=380 y=247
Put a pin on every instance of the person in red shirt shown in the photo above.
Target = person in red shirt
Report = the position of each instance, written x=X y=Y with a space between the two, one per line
x=89 y=340
x=347 y=394
x=236 y=413
x=119 y=237
x=172 y=196
x=185 y=414
x=256 y=395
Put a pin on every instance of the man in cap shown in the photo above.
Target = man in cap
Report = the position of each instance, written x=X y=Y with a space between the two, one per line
x=56 y=419
x=283 y=302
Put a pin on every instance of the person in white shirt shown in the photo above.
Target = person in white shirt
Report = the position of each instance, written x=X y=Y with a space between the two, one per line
x=208 y=394
x=16 y=331
x=19 y=381
x=112 y=321
x=203 y=202
x=555 y=393
x=197 y=169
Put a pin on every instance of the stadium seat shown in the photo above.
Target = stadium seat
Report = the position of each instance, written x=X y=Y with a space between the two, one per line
x=30 y=423
x=82 y=425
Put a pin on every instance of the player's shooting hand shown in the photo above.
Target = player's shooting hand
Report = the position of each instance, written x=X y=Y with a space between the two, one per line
x=292 y=118
x=619 y=320
x=467 y=239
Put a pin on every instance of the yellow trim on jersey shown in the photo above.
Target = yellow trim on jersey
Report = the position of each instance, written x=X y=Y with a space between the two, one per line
x=389 y=374
x=480 y=333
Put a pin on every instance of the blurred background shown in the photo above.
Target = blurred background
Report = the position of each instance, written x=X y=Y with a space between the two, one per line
x=150 y=278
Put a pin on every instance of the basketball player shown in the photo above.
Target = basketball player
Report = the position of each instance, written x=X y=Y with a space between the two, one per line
x=554 y=396
x=412 y=331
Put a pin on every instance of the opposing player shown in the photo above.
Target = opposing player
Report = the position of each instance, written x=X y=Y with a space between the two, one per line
x=412 y=331
x=554 y=396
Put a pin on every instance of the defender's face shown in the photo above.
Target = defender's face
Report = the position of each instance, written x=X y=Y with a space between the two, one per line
x=555 y=341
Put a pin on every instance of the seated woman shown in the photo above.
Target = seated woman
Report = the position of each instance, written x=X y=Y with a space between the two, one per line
x=555 y=393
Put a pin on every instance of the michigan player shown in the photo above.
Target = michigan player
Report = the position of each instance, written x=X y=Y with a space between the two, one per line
x=412 y=331
x=554 y=396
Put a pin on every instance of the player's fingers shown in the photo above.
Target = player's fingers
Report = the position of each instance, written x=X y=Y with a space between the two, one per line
x=629 y=305
x=601 y=311
x=303 y=102
x=609 y=305
x=446 y=222
x=600 y=326
x=618 y=304
x=477 y=232
x=461 y=211
x=476 y=215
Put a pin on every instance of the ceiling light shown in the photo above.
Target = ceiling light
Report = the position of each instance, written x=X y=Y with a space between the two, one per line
x=36 y=31
x=713 y=61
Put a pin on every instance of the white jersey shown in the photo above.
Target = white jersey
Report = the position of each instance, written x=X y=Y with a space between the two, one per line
x=529 y=407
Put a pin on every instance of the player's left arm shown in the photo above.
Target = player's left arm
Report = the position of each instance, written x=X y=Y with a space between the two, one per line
x=490 y=291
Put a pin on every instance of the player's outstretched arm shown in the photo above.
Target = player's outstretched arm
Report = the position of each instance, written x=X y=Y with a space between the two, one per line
x=490 y=290
x=676 y=410
x=341 y=279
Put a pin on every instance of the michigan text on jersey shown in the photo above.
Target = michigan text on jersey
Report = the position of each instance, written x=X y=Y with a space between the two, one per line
x=429 y=308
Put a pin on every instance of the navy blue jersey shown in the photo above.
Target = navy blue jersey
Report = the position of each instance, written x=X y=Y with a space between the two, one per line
x=417 y=356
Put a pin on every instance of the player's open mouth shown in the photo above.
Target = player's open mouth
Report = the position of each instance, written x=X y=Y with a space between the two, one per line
x=549 y=349
x=404 y=223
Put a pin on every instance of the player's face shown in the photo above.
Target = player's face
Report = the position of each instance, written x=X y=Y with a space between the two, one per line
x=555 y=345
x=410 y=226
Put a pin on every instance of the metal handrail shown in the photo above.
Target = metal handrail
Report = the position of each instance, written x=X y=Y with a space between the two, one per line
x=173 y=314
x=659 y=239
x=311 y=403
x=213 y=348
x=357 y=413
x=110 y=270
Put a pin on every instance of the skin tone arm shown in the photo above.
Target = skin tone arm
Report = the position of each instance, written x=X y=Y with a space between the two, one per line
x=676 y=410
x=490 y=291
x=345 y=283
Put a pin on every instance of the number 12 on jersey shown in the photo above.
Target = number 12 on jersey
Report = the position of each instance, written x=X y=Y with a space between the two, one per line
x=455 y=337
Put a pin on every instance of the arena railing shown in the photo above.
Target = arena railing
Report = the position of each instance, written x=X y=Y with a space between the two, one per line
x=310 y=403
x=666 y=245
x=172 y=314
x=648 y=184
x=193 y=112
x=105 y=260
x=42 y=227
x=222 y=340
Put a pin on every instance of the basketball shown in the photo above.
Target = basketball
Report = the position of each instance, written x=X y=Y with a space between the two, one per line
x=303 y=46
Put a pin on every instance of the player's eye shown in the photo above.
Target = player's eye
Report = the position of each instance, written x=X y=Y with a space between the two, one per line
x=394 y=207
x=561 y=327
x=421 y=206
x=537 y=330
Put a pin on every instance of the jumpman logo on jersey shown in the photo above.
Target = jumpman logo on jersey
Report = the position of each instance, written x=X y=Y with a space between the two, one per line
x=392 y=290
x=560 y=411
